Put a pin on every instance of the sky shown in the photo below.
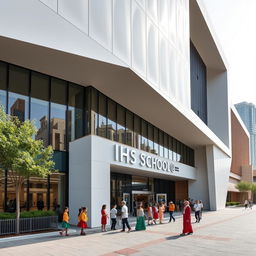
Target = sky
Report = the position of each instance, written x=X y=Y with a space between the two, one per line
x=234 y=22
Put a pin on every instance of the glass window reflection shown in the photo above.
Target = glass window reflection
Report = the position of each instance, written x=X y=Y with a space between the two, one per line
x=102 y=115
x=18 y=92
x=120 y=124
x=111 y=120
x=40 y=105
x=58 y=114
x=137 y=131
x=75 y=112
x=3 y=83
x=144 y=135
x=129 y=128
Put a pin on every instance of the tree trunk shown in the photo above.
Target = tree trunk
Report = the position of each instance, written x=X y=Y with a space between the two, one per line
x=18 y=186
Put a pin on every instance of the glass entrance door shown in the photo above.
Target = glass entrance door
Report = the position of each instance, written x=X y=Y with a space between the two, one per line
x=161 y=198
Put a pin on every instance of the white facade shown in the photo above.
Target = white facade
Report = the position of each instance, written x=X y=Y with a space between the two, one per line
x=137 y=53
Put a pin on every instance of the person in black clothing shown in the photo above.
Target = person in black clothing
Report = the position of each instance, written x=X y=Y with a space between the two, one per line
x=40 y=204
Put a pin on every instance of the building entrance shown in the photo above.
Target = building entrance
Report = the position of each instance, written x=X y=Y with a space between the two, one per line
x=143 y=197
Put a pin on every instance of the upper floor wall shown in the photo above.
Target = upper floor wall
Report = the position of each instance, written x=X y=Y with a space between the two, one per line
x=149 y=36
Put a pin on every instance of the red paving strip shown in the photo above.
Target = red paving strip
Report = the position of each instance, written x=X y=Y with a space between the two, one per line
x=126 y=251
x=149 y=243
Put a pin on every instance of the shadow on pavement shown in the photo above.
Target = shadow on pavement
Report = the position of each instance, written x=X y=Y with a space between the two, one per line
x=173 y=237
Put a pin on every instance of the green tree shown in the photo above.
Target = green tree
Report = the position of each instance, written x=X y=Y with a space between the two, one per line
x=244 y=186
x=22 y=155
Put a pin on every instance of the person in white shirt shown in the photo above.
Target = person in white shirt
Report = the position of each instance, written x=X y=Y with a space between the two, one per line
x=124 y=211
x=198 y=207
x=113 y=213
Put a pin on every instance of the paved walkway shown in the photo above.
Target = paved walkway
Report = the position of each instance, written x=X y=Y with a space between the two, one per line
x=228 y=232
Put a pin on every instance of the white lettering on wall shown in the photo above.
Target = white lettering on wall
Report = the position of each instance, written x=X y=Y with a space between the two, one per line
x=129 y=156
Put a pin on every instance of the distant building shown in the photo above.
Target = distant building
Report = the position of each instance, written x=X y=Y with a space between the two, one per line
x=18 y=109
x=247 y=112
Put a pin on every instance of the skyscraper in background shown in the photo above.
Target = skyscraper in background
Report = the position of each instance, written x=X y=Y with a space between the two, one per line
x=247 y=112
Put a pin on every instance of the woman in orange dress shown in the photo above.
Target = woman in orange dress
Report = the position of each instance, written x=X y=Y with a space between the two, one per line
x=161 y=212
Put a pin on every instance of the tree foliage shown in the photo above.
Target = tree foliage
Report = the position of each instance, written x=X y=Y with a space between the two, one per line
x=244 y=186
x=21 y=154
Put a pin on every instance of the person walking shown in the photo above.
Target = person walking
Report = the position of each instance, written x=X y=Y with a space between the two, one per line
x=155 y=213
x=246 y=204
x=82 y=220
x=197 y=208
x=150 y=214
x=250 y=204
x=124 y=211
x=161 y=212
x=113 y=213
x=65 y=222
x=140 y=224
x=187 y=227
x=171 y=211
x=104 y=217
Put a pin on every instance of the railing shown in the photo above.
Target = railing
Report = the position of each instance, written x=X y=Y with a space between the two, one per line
x=28 y=224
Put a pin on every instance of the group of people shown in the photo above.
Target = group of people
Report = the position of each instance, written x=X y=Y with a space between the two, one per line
x=153 y=214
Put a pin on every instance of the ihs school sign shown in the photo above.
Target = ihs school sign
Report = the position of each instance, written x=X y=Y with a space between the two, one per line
x=132 y=157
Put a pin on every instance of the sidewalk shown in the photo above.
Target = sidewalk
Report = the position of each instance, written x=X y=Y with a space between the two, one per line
x=229 y=232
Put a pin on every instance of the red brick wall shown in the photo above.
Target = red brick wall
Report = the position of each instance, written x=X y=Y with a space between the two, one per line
x=240 y=146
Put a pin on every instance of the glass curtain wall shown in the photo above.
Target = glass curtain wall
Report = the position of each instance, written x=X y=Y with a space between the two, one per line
x=3 y=84
x=116 y=123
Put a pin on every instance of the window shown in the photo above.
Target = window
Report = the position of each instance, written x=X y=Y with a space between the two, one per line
x=18 y=92
x=174 y=148
x=156 y=140
x=170 y=148
x=58 y=114
x=111 y=120
x=165 y=145
x=40 y=106
x=150 y=138
x=161 y=143
x=75 y=112
x=102 y=122
x=129 y=128
x=94 y=111
x=120 y=124
x=137 y=132
x=3 y=82
x=144 y=135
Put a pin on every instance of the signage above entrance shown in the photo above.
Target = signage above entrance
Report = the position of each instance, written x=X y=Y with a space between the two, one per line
x=130 y=156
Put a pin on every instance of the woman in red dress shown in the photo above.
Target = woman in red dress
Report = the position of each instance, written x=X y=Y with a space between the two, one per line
x=187 y=227
x=103 y=218
x=155 y=213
